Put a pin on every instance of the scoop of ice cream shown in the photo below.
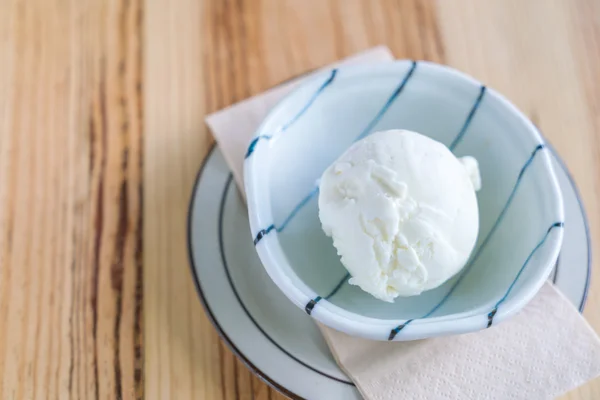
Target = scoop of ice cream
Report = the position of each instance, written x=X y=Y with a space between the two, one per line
x=402 y=212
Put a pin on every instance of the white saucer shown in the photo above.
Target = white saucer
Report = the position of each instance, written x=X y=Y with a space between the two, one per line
x=274 y=338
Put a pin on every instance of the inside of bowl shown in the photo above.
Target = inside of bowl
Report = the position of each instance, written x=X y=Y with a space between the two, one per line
x=516 y=205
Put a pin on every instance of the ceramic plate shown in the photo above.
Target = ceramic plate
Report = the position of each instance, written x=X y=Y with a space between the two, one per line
x=274 y=338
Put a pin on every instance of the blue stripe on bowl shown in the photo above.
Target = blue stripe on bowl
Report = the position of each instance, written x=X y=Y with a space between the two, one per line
x=495 y=309
x=463 y=130
x=262 y=233
x=311 y=304
x=389 y=102
x=254 y=142
x=298 y=207
x=284 y=127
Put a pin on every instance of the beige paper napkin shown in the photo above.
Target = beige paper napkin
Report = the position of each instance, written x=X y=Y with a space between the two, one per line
x=541 y=353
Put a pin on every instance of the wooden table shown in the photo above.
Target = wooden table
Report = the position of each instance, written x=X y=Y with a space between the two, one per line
x=102 y=106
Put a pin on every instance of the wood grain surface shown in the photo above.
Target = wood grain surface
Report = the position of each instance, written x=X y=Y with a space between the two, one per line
x=102 y=106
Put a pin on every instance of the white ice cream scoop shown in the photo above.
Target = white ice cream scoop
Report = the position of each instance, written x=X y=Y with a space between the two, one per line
x=402 y=212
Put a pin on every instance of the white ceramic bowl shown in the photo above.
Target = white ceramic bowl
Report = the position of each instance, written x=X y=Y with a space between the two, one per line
x=520 y=204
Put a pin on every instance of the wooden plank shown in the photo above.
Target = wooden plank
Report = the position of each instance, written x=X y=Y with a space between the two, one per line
x=182 y=350
x=70 y=199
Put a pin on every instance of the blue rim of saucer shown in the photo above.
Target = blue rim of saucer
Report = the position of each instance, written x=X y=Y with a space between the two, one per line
x=241 y=356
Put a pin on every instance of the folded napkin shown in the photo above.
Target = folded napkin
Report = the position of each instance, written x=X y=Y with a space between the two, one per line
x=544 y=351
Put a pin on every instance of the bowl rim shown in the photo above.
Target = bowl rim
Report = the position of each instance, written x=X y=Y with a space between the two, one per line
x=370 y=327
